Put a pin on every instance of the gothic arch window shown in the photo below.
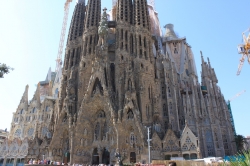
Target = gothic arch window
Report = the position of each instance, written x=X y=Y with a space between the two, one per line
x=169 y=92
x=105 y=130
x=216 y=136
x=166 y=125
x=171 y=107
x=165 y=113
x=97 y=87
x=82 y=141
x=129 y=84
x=47 y=108
x=171 y=124
x=85 y=132
x=225 y=142
x=163 y=92
x=211 y=84
x=175 y=148
x=149 y=93
x=175 y=51
x=184 y=147
x=131 y=44
x=209 y=142
x=97 y=131
x=188 y=140
x=21 y=112
x=130 y=114
x=34 y=110
x=90 y=41
x=112 y=74
x=216 y=140
x=147 y=111
x=140 y=42
x=121 y=33
x=192 y=147
x=56 y=93
x=132 y=138
x=167 y=75
x=168 y=149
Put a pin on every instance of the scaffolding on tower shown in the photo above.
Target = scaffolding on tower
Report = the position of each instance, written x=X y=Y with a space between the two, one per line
x=230 y=109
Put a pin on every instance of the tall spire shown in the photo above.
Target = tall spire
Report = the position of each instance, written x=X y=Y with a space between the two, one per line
x=77 y=22
x=93 y=14
x=203 y=67
x=141 y=14
x=124 y=11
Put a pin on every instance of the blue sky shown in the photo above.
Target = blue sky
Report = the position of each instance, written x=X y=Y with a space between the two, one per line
x=30 y=32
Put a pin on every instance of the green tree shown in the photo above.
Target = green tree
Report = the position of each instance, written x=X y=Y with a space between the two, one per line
x=4 y=69
x=240 y=142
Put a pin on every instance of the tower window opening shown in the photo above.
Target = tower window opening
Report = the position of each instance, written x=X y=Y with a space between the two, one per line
x=175 y=51
x=140 y=40
x=122 y=34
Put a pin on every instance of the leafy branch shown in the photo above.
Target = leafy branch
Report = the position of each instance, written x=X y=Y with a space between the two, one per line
x=4 y=69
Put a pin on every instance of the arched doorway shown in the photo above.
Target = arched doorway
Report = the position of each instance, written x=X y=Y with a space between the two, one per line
x=186 y=156
x=193 y=156
x=105 y=157
x=1 y=162
x=167 y=157
x=132 y=157
x=66 y=157
x=95 y=158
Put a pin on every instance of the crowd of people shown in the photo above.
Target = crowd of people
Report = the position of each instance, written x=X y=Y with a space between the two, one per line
x=44 y=162
x=48 y=162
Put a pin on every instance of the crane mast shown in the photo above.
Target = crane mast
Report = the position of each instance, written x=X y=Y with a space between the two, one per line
x=230 y=109
x=62 y=37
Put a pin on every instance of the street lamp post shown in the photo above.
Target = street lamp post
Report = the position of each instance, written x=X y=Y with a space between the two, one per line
x=149 y=145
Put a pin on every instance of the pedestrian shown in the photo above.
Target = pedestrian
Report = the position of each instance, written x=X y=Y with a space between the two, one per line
x=172 y=163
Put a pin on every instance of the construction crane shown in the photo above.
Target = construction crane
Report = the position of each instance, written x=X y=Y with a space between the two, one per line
x=230 y=109
x=244 y=49
x=62 y=37
x=237 y=95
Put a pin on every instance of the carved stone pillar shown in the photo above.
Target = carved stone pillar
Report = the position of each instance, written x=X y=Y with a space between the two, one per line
x=4 y=161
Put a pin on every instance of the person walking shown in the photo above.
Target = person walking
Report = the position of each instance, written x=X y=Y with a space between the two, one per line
x=172 y=163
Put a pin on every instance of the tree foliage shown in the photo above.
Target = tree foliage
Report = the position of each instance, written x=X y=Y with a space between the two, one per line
x=240 y=142
x=4 y=69
x=242 y=159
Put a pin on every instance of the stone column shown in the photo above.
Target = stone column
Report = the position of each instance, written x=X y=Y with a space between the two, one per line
x=4 y=161
x=15 y=161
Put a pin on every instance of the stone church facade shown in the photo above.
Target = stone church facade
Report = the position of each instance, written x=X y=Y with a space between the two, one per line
x=121 y=75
